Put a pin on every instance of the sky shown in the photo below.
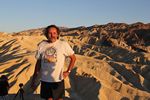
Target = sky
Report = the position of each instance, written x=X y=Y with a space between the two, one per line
x=19 y=15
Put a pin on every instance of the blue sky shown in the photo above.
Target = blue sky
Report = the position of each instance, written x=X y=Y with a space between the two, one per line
x=19 y=15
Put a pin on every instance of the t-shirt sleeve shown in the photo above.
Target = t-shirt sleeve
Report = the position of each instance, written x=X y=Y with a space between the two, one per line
x=67 y=49
x=38 y=53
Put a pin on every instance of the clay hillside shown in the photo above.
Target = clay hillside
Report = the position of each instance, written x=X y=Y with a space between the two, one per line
x=113 y=61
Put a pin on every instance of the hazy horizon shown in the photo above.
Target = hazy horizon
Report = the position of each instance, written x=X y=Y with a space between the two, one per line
x=23 y=15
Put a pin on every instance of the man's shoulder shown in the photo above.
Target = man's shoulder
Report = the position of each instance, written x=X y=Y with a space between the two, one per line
x=42 y=42
x=62 y=40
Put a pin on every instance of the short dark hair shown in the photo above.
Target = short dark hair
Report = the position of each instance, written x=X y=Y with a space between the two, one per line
x=51 y=26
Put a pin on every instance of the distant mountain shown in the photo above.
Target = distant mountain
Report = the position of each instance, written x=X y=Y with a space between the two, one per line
x=136 y=35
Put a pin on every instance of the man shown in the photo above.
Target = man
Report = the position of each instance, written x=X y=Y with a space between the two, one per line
x=50 y=61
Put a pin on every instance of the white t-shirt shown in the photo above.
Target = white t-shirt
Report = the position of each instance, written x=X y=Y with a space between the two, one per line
x=52 y=57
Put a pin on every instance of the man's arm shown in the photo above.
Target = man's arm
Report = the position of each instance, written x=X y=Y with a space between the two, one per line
x=72 y=61
x=71 y=64
x=36 y=71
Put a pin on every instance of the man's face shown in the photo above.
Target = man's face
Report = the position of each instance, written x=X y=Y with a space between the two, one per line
x=52 y=33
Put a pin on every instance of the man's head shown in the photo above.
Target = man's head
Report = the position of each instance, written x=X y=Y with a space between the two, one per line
x=52 y=32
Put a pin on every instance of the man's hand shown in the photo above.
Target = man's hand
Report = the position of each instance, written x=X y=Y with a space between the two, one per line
x=65 y=74
x=33 y=81
x=72 y=61
x=33 y=86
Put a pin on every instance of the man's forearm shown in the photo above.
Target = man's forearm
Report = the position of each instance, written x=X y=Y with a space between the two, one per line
x=37 y=68
x=73 y=59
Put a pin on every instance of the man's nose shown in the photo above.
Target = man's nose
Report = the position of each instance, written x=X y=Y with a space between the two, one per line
x=52 y=34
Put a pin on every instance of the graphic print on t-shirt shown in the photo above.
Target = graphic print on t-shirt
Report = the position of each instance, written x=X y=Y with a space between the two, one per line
x=50 y=55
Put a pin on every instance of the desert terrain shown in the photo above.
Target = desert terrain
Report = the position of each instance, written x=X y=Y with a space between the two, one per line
x=113 y=61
